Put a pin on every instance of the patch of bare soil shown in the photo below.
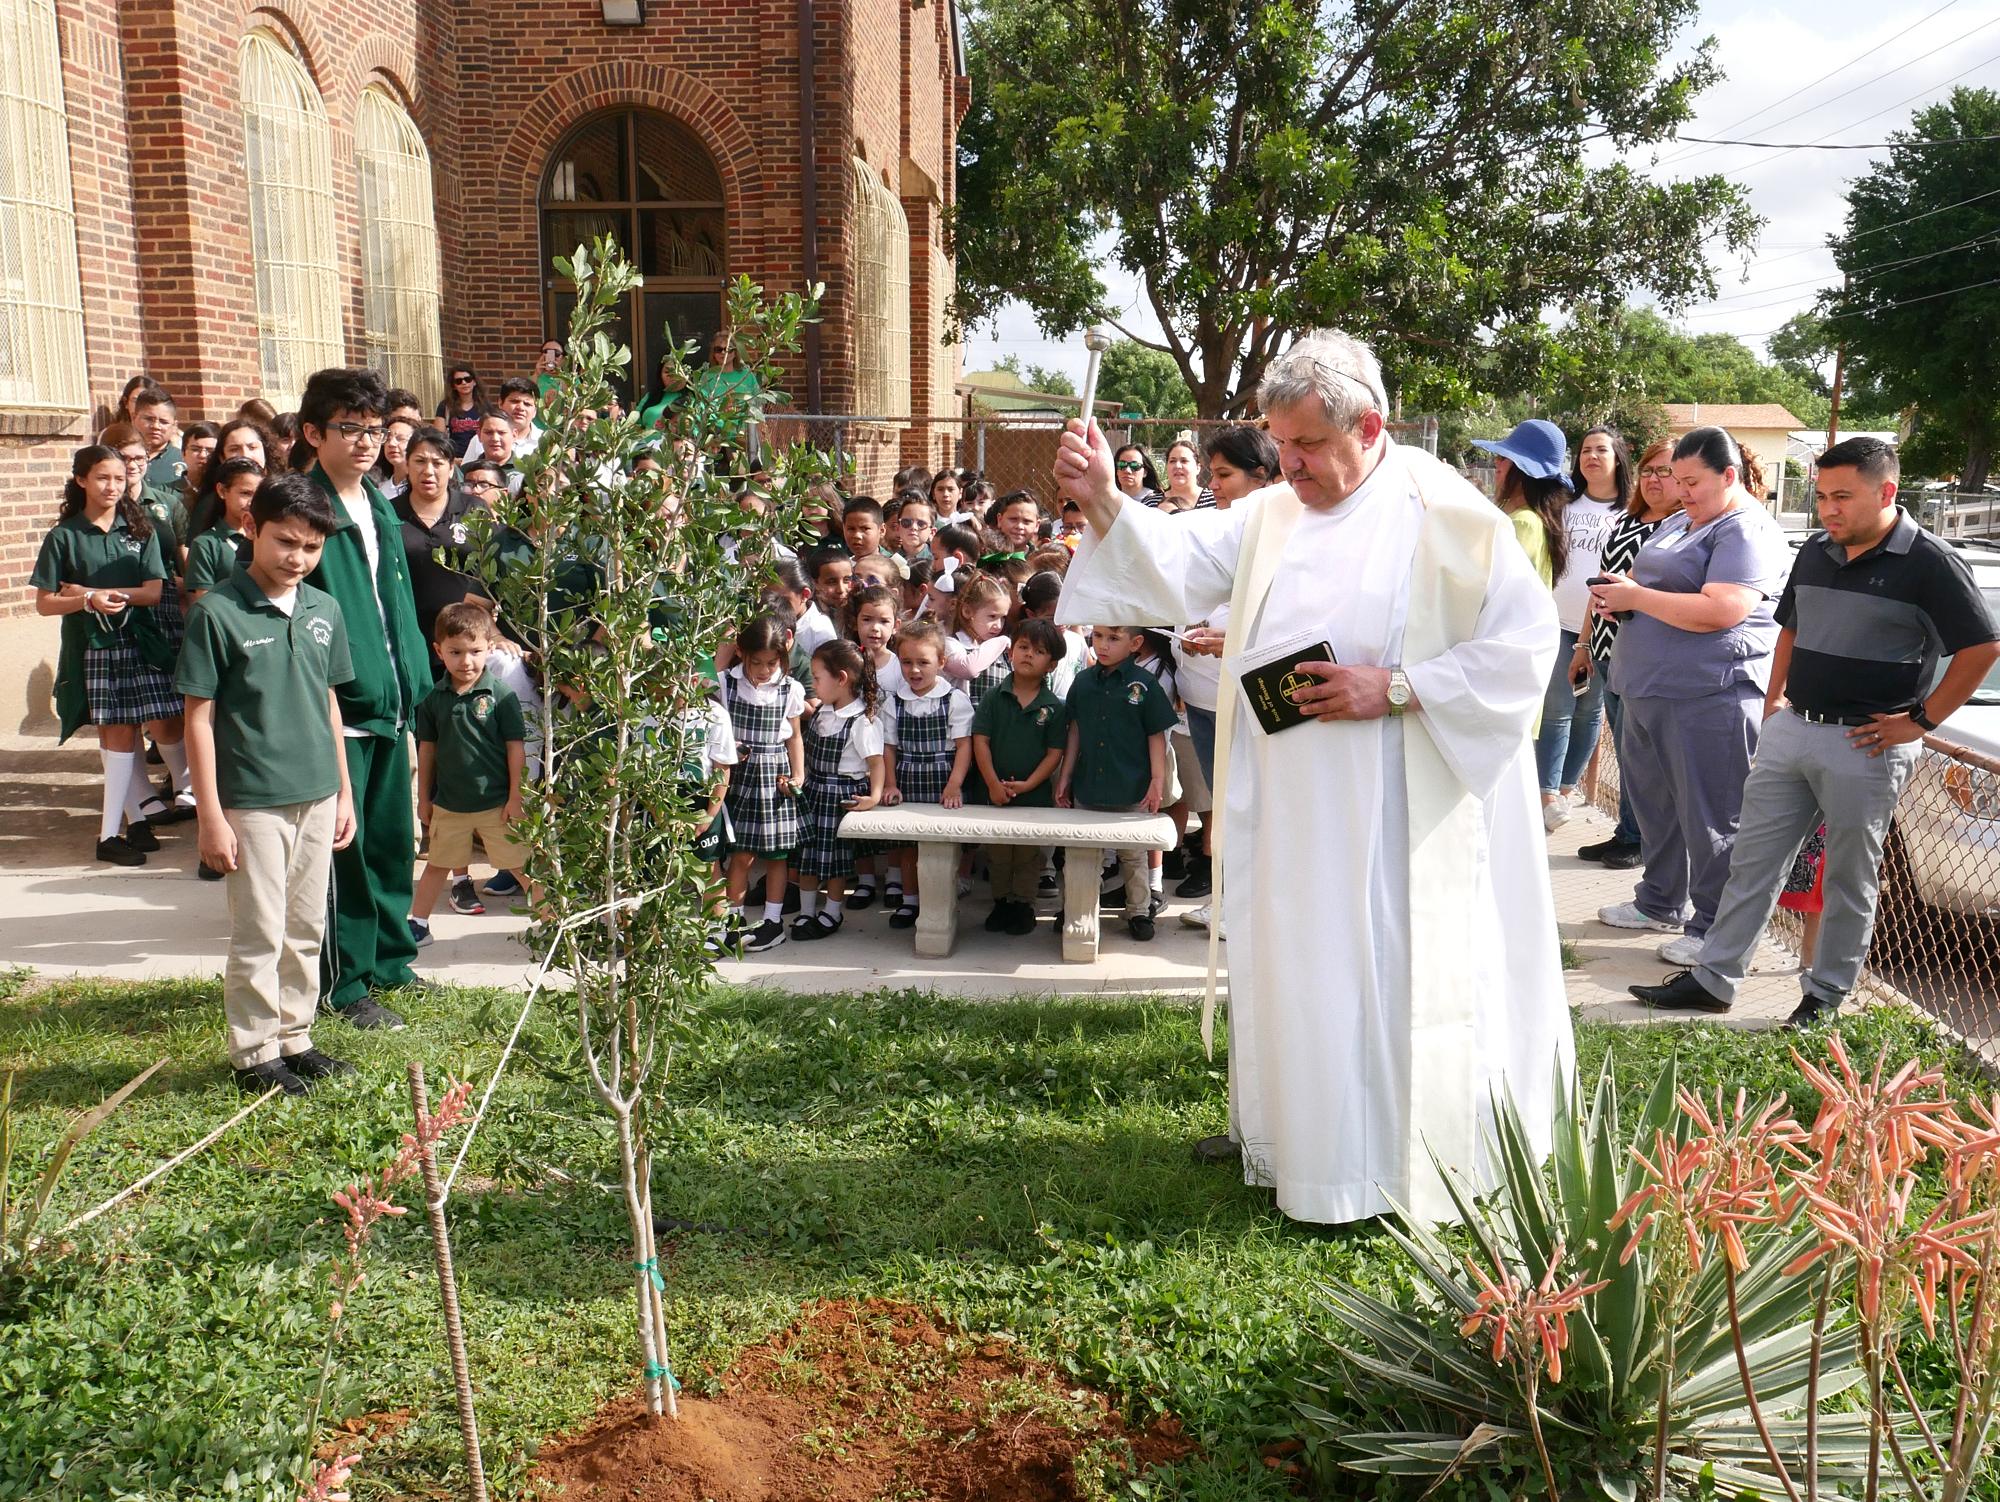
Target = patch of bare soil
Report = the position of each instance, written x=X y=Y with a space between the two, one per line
x=860 y=1401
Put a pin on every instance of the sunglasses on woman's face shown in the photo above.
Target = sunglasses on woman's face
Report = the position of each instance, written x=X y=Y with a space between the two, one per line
x=1130 y=464
x=1658 y=472
x=461 y=380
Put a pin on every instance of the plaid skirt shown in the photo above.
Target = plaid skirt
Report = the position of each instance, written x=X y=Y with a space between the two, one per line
x=822 y=852
x=168 y=616
x=122 y=689
x=763 y=821
x=921 y=779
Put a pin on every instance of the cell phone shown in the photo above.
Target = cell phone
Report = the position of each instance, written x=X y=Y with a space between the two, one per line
x=1617 y=615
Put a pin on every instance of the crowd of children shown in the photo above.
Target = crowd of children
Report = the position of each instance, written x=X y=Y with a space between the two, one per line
x=276 y=607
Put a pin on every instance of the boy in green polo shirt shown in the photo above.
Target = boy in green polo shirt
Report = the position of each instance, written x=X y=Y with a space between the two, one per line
x=1117 y=758
x=471 y=752
x=263 y=655
x=1019 y=733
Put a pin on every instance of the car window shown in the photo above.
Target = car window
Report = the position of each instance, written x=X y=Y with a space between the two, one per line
x=1988 y=691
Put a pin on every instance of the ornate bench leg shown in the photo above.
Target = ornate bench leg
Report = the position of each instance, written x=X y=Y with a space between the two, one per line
x=1080 y=884
x=937 y=886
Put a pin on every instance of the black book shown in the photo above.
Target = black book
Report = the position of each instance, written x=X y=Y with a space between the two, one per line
x=1273 y=685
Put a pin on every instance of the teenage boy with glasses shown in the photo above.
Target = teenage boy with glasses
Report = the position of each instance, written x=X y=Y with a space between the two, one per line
x=365 y=570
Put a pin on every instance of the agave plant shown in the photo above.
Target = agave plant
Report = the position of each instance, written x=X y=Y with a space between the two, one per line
x=1649 y=1393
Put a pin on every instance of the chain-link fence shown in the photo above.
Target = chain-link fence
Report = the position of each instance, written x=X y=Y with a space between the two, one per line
x=1937 y=930
x=1015 y=451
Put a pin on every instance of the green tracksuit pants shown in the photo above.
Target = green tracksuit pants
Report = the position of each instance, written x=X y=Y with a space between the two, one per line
x=368 y=946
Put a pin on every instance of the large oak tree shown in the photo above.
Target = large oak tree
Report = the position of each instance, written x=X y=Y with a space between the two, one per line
x=1412 y=170
x=1922 y=234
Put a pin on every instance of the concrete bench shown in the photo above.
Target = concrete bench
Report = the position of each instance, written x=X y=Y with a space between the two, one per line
x=937 y=832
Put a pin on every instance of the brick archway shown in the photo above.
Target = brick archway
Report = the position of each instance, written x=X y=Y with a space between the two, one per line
x=541 y=127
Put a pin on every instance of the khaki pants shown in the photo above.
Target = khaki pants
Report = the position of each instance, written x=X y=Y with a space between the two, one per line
x=277 y=922
x=1133 y=864
x=1014 y=870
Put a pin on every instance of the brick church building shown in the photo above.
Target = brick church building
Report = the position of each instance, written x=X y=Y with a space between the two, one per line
x=229 y=194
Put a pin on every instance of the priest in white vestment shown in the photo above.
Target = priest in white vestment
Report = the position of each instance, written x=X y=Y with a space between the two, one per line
x=1392 y=951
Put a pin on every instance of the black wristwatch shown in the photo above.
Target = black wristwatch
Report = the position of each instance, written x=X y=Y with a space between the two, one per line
x=1917 y=714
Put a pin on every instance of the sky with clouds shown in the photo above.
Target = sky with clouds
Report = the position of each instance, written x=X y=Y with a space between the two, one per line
x=1860 y=69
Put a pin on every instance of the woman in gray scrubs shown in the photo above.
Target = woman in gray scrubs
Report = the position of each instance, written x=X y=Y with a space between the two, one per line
x=1691 y=664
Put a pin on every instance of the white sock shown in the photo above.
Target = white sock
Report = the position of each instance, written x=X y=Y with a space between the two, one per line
x=808 y=903
x=894 y=885
x=833 y=907
x=1153 y=878
x=867 y=881
x=774 y=912
x=138 y=788
x=736 y=911
x=117 y=778
x=176 y=758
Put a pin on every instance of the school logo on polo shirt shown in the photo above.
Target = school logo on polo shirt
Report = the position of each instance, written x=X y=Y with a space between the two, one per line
x=1135 y=693
x=458 y=533
x=482 y=706
x=133 y=545
x=322 y=630
x=1042 y=714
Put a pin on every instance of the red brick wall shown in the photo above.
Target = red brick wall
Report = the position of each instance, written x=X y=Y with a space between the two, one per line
x=156 y=147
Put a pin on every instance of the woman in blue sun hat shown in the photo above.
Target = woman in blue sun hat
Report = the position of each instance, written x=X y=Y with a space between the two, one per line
x=1529 y=485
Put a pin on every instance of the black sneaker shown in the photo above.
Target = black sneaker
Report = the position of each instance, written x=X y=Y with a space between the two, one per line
x=766 y=935
x=863 y=897
x=1200 y=878
x=1174 y=864
x=314 y=1065
x=116 y=852
x=259 y=1078
x=1155 y=905
x=818 y=926
x=416 y=985
x=1218 y=1149
x=1047 y=885
x=370 y=1015
x=1603 y=849
x=1681 y=993
x=504 y=884
x=1022 y=920
x=1624 y=858
x=1811 y=1012
x=420 y=933
x=464 y=899
x=1140 y=929
x=996 y=921
x=139 y=835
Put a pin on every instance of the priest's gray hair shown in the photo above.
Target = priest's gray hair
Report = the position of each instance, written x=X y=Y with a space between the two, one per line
x=1326 y=366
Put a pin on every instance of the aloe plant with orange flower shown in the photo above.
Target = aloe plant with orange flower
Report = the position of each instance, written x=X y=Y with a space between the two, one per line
x=1649 y=1264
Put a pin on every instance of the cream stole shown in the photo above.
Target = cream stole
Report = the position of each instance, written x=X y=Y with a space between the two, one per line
x=1448 y=579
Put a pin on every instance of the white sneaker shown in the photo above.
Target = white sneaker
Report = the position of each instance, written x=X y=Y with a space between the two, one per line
x=1202 y=917
x=1627 y=915
x=1686 y=951
x=1555 y=813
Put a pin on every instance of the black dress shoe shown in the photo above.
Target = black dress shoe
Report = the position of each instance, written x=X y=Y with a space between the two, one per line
x=860 y=899
x=1022 y=920
x=996 y=921
x=1220 y=1148
x=1811 y=1011
x=314 y=1065
x=1681 y=993
x=115 y=852
x=1174 y=864
x=1140 y=929
x=261 y=1077
x=1200 y=878
x=1603 y=848
x=1624 y=858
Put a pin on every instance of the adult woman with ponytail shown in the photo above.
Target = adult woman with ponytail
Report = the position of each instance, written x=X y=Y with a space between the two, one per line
x=99 y=568
x=1691 y=663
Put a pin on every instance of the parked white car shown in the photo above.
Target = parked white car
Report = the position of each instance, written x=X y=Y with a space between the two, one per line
x=1948 y=825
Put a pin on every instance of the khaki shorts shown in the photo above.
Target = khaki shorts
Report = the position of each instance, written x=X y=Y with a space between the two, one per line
x=1184 y=761
x=451 y=839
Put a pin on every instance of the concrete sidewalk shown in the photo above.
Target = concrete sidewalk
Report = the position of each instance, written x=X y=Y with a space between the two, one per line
x=63 y=914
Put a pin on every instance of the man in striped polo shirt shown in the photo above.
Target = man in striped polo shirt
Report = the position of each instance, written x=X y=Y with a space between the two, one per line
x=1872 y=604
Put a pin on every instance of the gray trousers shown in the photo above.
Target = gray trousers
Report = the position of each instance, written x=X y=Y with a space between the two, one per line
x=1806 y=773
x=1685 y=762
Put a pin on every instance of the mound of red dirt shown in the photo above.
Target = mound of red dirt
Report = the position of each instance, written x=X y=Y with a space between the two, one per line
x=858 y=1401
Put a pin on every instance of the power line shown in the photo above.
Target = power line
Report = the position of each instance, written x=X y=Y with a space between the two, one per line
x=1814 y=145
x=1991 y=281
x=1869 y=83
x=1862 y=271
x=1886 y=109
x=1878 y=229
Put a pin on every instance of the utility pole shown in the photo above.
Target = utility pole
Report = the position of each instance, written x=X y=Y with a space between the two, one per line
x=1839 y=372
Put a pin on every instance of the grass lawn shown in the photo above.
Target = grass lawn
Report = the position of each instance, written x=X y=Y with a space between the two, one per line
x=1017 y=1166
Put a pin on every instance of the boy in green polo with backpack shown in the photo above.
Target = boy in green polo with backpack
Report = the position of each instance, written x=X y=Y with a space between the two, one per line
x=261 y=666
x=341 y=416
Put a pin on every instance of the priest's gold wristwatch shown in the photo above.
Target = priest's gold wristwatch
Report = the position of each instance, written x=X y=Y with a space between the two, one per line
x=1399 y=691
